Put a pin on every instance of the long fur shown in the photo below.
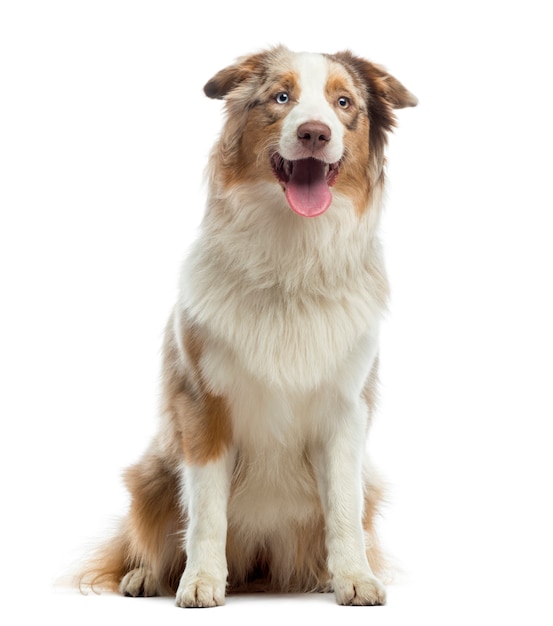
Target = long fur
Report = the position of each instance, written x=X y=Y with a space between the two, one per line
x=258 y=476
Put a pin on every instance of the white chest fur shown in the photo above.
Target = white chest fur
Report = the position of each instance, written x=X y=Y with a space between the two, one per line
x=284 y=297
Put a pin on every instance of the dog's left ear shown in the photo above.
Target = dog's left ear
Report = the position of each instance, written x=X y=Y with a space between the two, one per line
x=231 y=77
x=391 y=89
x=379 y=81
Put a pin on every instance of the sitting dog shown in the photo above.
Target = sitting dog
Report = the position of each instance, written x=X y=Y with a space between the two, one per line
x=258 y=476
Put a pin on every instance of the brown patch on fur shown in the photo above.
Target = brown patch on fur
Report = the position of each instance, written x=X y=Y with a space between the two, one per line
x=339 y=83
x=201 y=418
x=286 y=81
x=206 y=428
x=249 y=158
x=336 y=85
x=353 y=180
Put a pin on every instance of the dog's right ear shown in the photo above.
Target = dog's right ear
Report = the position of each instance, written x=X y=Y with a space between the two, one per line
x=224 y=81
x=231 y=77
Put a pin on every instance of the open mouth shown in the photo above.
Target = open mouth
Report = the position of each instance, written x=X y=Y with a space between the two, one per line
x=306 y=183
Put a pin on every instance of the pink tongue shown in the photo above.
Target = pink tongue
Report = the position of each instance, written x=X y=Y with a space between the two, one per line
x=307 y=191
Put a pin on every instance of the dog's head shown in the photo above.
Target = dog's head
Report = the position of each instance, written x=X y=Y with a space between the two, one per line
x=309 y=122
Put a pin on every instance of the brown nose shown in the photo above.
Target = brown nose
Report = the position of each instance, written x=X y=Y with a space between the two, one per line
x=314 y=135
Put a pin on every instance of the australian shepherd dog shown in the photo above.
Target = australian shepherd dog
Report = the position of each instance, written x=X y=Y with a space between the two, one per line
x=258 y=477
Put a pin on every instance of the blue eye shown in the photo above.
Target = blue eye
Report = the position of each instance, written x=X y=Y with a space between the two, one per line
x=343 y=102
x=282 y=97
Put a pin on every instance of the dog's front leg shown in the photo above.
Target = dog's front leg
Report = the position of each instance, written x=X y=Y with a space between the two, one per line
x=205 y=498
x=339 y=466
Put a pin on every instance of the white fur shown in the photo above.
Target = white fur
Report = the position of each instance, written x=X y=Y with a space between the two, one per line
x=205 y=494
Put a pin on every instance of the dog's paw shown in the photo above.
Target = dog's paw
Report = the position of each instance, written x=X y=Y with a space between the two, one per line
x=359 y=590
x=139 y=583
x=324 y=587
x=201 y=590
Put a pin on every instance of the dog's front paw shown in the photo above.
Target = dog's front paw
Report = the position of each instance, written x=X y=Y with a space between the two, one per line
x=201 y=590
x=363 y=590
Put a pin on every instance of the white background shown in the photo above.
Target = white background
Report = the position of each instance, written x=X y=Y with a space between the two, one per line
x=104 y=134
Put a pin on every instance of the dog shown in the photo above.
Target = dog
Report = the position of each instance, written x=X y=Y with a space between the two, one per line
x=258 y=477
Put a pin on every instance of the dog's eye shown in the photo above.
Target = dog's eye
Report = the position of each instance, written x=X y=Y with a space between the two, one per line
x=282 y=97
x=343 y=102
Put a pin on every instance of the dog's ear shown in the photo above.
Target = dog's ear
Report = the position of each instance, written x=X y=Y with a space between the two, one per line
x=390 y=88
x=226 y=80
x=231 y=77
x=383 y=94
x=378 y=81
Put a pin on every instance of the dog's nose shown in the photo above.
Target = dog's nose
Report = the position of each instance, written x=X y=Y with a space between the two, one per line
x=314 y=135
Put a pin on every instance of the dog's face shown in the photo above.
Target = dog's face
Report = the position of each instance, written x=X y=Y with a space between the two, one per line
x=308 y=122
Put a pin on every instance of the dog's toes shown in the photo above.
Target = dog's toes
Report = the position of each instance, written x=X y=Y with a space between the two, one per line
x=138 y=583
x=359 y=591
x=200 y=591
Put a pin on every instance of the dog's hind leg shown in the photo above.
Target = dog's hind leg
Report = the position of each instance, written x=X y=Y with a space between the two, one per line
x=145 y=558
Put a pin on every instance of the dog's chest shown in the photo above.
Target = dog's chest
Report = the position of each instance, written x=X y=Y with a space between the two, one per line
x=285 y=313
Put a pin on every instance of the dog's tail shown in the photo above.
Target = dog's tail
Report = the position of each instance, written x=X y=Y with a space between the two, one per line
x=107 y=566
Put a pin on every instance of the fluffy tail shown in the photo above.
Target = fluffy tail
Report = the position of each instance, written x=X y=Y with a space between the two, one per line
x=108 y=565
